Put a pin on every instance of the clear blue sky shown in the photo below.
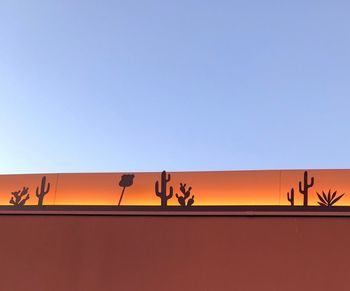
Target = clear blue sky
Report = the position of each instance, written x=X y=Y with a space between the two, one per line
x=89 y=86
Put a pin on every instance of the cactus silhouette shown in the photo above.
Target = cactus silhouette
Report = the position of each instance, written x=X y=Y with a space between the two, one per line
x=186 y=195
x=291 y=197
x=18 y=198
x=304 y=190
x=190 y=201
x=328 y=199
x=162 y=194
x=42 y=192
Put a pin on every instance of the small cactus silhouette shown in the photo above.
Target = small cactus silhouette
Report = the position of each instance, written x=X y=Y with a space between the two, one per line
x=162 y=194
x=186 y=195
x=304 y=190
x=18 y=198
x=291 y=197
x=42 y=192
x=328 y=199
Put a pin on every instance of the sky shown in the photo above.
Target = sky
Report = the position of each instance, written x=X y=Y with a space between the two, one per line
x=185 y=85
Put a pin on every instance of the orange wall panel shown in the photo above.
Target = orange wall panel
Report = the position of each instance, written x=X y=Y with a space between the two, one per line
x=208 y=188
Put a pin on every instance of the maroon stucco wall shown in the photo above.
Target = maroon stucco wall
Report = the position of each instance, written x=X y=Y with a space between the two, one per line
x=49 y=253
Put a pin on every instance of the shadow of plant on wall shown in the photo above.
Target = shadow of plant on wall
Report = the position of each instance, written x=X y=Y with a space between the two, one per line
x=328 y=199
x=125 y=181
x=162 y=194
x=186 y=195
x=42 y=192
x=18 y=198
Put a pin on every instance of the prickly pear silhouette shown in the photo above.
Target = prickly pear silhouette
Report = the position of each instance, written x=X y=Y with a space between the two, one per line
x=190 y=201
x=186 y=195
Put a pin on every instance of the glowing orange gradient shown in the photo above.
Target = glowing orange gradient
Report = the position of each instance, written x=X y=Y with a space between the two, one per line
x=209 y=188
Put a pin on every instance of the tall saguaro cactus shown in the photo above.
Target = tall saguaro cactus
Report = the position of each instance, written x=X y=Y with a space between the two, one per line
x=42 y=192
x=304 y=190
x=162 y=194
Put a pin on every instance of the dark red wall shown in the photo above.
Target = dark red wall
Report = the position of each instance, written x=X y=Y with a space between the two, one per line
x=49 y=253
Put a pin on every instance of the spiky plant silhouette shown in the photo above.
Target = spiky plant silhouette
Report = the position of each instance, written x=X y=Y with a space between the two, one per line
x=328 y=199
x=20 y=197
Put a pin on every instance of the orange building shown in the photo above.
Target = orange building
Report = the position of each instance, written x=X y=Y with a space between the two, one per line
x=243 y=230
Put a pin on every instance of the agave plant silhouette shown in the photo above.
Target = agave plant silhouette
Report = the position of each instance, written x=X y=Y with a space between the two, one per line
x=328 y=199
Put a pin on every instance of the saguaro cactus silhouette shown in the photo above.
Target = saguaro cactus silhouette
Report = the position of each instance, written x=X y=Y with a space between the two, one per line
x=304 y=190
x=186 y=195
x=162 y=194
x=291 y=197
x=42 y=192
x=17 y=199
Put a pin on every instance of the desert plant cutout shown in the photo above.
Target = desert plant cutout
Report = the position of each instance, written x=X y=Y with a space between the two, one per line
x=125 y=181
x=162 y=191
x=325 y=199
x=41 y=194
x=322 y=202
x=290 y=197
x=304 y=188
x=328 y=199
x=20 y=197
x=186 y=194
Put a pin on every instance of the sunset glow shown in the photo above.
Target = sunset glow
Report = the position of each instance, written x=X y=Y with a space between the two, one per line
x=208 y=188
